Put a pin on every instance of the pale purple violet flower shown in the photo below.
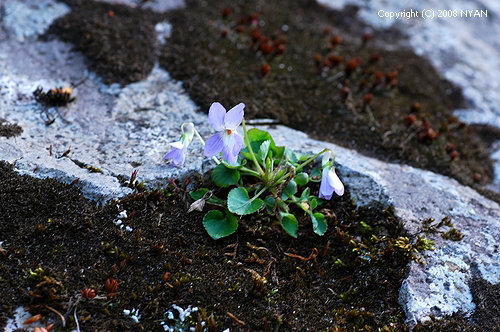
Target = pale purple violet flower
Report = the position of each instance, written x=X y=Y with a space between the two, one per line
x=330 y=182
x=179 y=149
x=227 y=140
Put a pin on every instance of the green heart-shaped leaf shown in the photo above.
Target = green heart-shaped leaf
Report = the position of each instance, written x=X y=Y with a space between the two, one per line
x=263 y=150
x=301 y=179
x=239 y=202
x=217 y=225
x=319 y=223
x=224 y=176
x=290 y=190
x=289 y=223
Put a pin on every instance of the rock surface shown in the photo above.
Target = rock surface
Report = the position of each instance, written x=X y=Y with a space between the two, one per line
x=120 y=129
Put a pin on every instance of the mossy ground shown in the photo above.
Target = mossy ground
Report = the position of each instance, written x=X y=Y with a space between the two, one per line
x=352 y=282
x=55 y=244
x=118 y=41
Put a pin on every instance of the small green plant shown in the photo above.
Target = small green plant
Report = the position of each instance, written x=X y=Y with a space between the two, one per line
x=261 y=176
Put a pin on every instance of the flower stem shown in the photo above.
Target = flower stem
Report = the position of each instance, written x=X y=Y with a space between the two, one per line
x=199 y=137
x=250 y=172
x=277 y=181
x=247 y=141
x=312 y=158
x=259 y=193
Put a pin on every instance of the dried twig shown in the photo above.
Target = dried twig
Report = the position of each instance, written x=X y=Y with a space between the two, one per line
x=313 y=255
x=239 y=322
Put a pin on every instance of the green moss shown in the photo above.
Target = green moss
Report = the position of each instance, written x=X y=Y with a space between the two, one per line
x=453 y=234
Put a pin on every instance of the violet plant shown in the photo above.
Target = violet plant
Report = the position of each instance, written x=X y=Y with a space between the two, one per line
x=261 y=175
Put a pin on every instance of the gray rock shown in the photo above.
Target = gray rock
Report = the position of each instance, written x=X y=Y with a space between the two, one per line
x=156 y=5
x=31 y=17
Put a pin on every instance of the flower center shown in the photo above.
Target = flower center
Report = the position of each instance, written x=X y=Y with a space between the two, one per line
x=229 y=131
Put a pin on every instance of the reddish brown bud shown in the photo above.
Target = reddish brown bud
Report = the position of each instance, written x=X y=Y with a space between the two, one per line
x=431 y=134
x=351 y=65
x=335 y=40
x=415 y=107
x=88 y=293
x=409 y=119
x=449 y=147
x=111 y=13
x=266 y=47
x=391 y=76
x=226 y=12
x=378 y=78
x=240 y=29
x=224 y=32
x=255 y=34
x=367 y=98
x=327 y=30
x=242 y=20
x=367 y=37
x=318 y=59
x=265 y=69
x=335 y=59
x=427 y=134
x=111 y=285
x=477 y=177
x=454 y=154
x=254 y=16
x=280 y=49
x=165 y=277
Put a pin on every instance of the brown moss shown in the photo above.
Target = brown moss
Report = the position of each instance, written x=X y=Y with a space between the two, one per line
x=118 y=41
x=10 y=129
